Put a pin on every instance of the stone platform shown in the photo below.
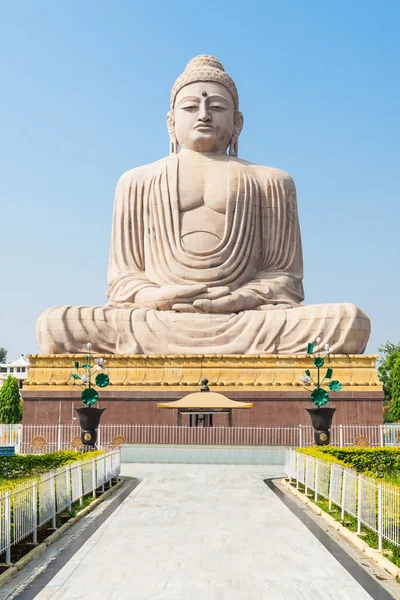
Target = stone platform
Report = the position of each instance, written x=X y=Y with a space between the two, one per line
x=138 y=382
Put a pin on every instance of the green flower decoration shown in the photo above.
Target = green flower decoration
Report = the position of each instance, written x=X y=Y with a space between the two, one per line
x=102 y=380
x=89 y=396
x=319 y=397
x=335 y=385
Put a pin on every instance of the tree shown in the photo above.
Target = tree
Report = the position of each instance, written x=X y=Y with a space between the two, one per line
x=390 y=353
x=10 y=401
x=3 y=355
x=394 y=410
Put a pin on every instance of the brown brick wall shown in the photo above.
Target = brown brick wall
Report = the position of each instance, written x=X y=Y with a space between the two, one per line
x=269 y=409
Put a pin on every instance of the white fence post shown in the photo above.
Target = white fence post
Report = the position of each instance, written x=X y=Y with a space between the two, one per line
x=330 y=489
x=300 y=436
x=53 y=499
x=341 y=436
x=18 y=433
x=59 y=438
x=34 y=510
x=8 y=527
x=316 y=479
x=380 y=517
x=68 y=486
x=80 y=483
x=343 y=493
x=103 y=462
x=359 y=503
x=94 y=477
x=381 y=436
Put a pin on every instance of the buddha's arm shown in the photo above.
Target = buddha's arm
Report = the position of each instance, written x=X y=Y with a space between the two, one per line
x=279 y=280
x=126 y=274
x=275 y=288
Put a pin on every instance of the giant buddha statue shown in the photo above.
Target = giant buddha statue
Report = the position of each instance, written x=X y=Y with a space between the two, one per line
x=205 y=249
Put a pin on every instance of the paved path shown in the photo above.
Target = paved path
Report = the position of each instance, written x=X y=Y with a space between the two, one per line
x=203 y=532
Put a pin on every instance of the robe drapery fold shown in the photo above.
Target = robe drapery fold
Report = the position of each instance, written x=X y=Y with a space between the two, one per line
x=260 y=250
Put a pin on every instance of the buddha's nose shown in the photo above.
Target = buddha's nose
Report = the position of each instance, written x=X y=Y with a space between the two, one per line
x=204 y=115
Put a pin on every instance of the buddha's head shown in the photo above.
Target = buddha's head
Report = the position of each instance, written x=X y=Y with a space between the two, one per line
x=204 y=113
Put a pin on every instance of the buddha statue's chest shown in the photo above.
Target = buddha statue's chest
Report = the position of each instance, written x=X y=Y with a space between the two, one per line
x=203 y=185
x=203 y=196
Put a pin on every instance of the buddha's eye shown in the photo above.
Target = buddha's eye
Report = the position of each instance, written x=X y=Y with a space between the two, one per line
x=217 y=107
x=189 y=107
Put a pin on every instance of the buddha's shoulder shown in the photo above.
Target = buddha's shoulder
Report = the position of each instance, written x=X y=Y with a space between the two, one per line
x=266 y=174
x=143 y=173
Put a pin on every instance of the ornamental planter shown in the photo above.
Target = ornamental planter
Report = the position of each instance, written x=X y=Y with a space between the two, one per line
x=89 y=419
x=321 y=419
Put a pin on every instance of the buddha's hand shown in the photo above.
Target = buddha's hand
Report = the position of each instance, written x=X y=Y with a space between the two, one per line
x=210 y=294
x=244 y=299
x=176 y=297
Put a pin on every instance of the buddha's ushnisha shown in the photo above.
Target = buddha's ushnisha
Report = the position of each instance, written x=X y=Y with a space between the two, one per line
x=205 y=249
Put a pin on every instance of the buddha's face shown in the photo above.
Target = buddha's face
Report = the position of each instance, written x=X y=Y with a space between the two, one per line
x=204 y=116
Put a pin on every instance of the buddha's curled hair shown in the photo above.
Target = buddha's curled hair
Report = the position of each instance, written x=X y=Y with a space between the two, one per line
x=205 y=68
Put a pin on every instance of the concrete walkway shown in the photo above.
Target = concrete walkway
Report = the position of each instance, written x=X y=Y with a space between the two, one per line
x=203 y=532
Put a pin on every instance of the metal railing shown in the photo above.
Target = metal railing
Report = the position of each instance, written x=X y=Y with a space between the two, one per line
x=51 y=438
x=37 y=501
x=374 y=504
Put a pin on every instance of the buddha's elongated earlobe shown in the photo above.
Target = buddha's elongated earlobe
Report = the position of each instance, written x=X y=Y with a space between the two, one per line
x=234 y=143
x=173 y=145
x=173 y=142
x=234 y=146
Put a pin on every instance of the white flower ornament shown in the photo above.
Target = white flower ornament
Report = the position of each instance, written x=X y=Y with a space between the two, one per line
x=99 y=364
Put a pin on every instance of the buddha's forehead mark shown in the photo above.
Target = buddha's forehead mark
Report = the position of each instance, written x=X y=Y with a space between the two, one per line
x=204 y=93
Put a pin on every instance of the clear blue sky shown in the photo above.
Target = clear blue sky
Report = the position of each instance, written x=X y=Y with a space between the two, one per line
x=84 y=94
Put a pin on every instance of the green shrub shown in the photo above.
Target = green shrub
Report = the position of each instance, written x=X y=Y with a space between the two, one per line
x=30 y=465
x=375 y=462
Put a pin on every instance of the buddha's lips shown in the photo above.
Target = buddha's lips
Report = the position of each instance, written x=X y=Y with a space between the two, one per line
x=203 y=127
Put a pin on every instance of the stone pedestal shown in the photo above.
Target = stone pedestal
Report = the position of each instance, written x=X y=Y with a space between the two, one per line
x=138 y=382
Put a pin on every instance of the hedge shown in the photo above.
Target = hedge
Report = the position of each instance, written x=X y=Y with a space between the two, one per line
x=380 y=463
x=30 y=465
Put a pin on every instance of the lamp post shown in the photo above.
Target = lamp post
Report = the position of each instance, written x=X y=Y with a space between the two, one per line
x=89 y=417
x=321 y=417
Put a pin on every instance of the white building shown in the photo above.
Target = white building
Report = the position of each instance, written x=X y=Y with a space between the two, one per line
x=18 y=369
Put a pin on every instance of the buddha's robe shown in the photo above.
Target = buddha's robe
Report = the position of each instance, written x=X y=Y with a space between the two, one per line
x=260 y=250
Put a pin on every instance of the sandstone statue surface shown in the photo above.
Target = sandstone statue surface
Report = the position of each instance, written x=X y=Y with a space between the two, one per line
x=205 y=249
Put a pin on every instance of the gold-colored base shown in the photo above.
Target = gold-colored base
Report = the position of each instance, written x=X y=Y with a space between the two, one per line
x=269 y=372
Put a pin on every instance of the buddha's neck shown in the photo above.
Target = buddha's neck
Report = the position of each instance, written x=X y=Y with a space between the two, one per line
x=193 y=154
